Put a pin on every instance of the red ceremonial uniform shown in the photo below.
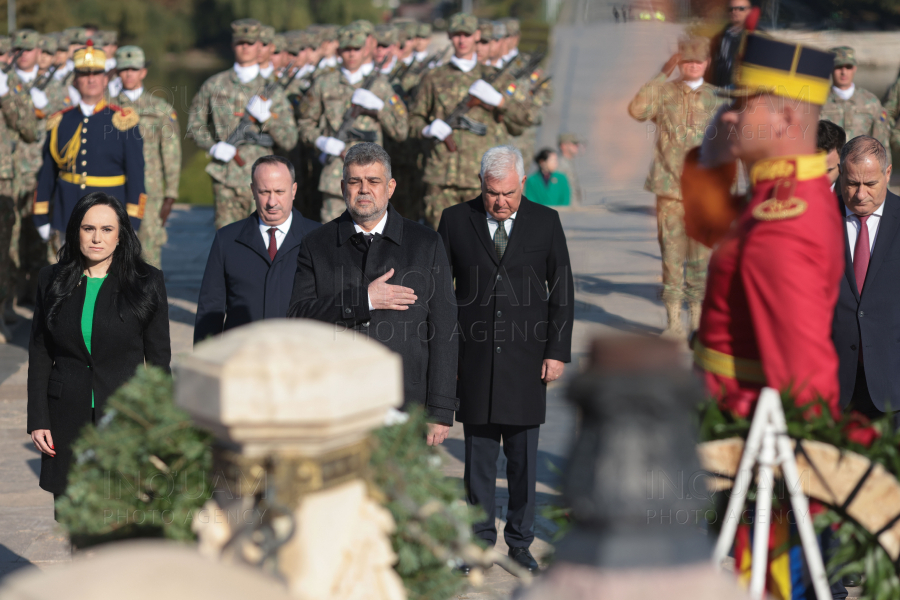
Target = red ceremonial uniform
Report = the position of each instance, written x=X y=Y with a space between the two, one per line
x=772 y=289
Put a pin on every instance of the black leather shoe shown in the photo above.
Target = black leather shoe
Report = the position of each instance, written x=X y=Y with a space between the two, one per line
x=524 y=559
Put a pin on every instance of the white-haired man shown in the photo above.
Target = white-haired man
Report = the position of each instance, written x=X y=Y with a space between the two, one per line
x=515 y=300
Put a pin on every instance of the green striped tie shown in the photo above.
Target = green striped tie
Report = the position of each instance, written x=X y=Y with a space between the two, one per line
x=500 y=239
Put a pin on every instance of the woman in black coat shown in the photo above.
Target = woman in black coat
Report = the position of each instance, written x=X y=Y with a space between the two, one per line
x=77 y=357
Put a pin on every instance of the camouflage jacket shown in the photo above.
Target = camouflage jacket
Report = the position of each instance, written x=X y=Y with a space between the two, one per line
x=162 y=143
x=567 y=168
x=322 y=112
x=439 y=93
x=29 y=141
x=681 y=116
x=531 y=87
x=862 y=114
x=217 y=110
x=9 y=134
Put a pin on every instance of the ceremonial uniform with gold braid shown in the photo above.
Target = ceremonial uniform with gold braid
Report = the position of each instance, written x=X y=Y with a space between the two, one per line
x=102 y=152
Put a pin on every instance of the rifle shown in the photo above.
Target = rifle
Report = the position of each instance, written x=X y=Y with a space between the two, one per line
x=12 y=61
x=540 y=84
x=530 y=66
x=285 y=79
x=345 y=130
x=246 y=130
x=457 y=118
x=440 y=54
x=399 y=74
x=44 y=80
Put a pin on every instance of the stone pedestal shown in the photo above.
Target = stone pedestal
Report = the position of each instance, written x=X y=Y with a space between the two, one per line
x=292 y=403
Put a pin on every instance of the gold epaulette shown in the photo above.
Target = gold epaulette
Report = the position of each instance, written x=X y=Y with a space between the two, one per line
x=54 y=119
x=124 y=118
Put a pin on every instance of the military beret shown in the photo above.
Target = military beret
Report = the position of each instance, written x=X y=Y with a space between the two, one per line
x=74 y=36
x=512 y=26
x=844 y=55
x=350 y=37
x=499 y=30
x=280 y=43
x=5 y=44
x=90 y=59
x=266 y=34
x=25 y=39
x=486 y=28
x=424 y=30
x=130 y=57
x=49 y=43
x=362 y=25
x=385 y=35
x=463 y=23
x=245 y=30
x=693 y=49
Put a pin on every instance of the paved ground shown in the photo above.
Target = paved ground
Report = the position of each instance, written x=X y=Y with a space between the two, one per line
x=612 y=240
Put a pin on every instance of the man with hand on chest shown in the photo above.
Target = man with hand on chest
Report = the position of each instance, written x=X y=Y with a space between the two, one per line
x=386 y=277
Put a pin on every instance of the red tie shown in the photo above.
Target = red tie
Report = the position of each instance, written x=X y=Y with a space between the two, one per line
x=861 y=254
x=273 y=245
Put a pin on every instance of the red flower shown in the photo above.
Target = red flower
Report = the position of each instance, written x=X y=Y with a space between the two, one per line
x=859 y=430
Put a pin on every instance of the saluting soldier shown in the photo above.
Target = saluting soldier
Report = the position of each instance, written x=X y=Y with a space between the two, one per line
x=162 y=149
x=388 y=43
x=855 y=109
x=75 y=39
x=423 y=39
x=266 y=50
x=452 y=167
x=379 y=110
x=92 y=147
x=681 y=109
x=778 y=258
x=327 y=36
x=217 y=112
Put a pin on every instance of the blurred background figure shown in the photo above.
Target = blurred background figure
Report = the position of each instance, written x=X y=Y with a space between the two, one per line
x=681 y=110
x=724 y=47
x=547 y=185
x=569 y=147
x=830 y=139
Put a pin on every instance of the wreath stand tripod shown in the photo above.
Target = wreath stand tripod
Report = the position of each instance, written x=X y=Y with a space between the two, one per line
x=769 y=446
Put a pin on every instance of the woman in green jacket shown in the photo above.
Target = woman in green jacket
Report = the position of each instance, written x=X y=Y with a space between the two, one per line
x=547 y=186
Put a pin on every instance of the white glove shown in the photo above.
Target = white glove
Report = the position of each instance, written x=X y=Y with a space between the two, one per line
x=44 y=232
x=259 y=109
x=39 y=98
x=4 y=87
x=438 y=129
x=367 y=100
x=482 y=90
x=223 y=151
x=115 y=87
x=330 y=145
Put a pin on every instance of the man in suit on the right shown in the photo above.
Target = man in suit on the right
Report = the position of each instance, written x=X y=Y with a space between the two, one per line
x=516 y=306
x=867 y=316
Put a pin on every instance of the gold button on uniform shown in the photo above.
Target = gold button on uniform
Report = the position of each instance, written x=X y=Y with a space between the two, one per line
x=84 y=151
x=84 y=140
x=83 y=186
x=83 y=163
x=85 y=120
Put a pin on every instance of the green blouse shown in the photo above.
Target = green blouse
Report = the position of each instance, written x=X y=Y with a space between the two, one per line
x=87 y=313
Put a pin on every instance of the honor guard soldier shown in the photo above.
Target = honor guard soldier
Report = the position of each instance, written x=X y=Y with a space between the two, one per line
x=266 y=50
x=778 y=258
x=680 y=109
x=237 y=120
x=452 y=167
x=162 y=149
x=337 y=95
x=74 y=38
x=92 y=147
x=423 y=39
x=857 y=110
x=388 y=39
x=40 y=96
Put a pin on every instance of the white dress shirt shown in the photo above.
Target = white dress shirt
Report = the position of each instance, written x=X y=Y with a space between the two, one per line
x=86 y=109
x=27 y=76
x=280 y=234
x=464 y=65
x=267 y=70
x=853 y=223
x=844 y=94
x=134 y=94
x=494 y=223
x=377 y=229
x=246 y=74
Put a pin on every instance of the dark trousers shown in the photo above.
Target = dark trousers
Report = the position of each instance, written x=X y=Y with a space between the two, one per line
x=520 y=448
x=861 y=401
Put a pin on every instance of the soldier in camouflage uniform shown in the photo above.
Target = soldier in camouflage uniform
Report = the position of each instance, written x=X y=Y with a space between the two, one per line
x=681 y=109
x=381 y=114
x=162 y=149
x=857 y=110
x=451 y=168
x=216 y=112
x=387 y=41
x=14 y=123
x=532 y=88
x=569 y=147
x=29 y=252
x=266 y=50
x=327 y=36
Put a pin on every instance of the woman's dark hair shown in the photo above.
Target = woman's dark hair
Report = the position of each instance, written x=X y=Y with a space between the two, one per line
x=136 y=288
x=543 y=155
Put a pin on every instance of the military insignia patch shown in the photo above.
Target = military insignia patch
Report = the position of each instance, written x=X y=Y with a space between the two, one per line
x=398 y=103
x=535 y=76
x=54 y=120
x=884 y=116
x=125 y=119
x=511 y=89
x=173 y=116
x=778 y=210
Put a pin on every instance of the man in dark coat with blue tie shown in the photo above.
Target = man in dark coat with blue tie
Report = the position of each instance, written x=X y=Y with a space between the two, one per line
x=250 y=271
x=515 y=297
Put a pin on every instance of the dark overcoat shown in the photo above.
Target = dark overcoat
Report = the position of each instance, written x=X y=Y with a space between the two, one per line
x=513 y=313
x=61 y=372
x=241 y=283
x=872 y=319
x=334 y=271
